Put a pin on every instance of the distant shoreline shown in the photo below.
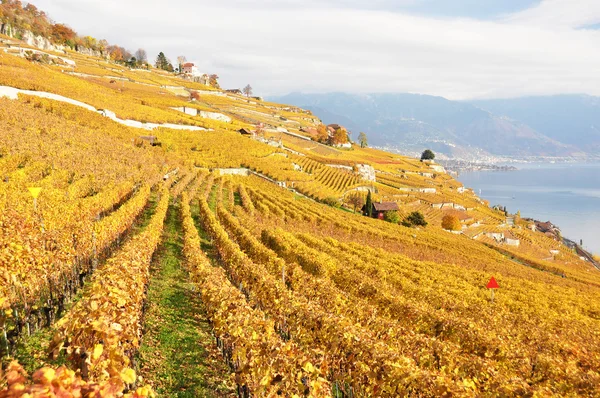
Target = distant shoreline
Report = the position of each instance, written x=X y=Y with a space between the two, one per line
x=460 y=166
x=573 y=225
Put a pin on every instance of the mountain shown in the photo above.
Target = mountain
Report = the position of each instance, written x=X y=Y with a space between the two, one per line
x=571 y=119
x=411 y=122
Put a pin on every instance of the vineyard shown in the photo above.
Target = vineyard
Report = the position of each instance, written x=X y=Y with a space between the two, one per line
x=278 y=287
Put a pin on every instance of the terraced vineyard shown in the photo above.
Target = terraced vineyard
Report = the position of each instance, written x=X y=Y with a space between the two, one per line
x=298 y=295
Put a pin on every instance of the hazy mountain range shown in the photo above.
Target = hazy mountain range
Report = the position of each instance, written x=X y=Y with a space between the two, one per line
x=565 y=125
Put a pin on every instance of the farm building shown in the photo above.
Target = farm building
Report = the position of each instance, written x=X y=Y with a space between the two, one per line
x=245 y=131
x=511 y=240
x=379 y=209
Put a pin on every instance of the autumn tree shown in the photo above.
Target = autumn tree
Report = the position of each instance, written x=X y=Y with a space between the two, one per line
x=62 y=34
x=451 y=222
x=247 y=90
x=322 y=134
x=362 y=140
x=213 y=81
x=356 y=200
x=339 y=137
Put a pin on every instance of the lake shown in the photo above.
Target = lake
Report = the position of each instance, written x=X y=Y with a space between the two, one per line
x=565 y=193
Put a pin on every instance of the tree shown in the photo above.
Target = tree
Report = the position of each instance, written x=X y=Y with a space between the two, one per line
x=141 y=56
x=213 y=81
x=356 y=200
x=180 y=61
x=162 y=62
x=415 y=218
x=369 y=205
x=247 y=90
x=451 y=223
x=322 y=134
x=362 y=140
x=339 y=137
x=428 y=155
x=62 y=34
x=392 y=217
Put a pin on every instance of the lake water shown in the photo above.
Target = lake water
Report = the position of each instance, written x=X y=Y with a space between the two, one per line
x=566 y=194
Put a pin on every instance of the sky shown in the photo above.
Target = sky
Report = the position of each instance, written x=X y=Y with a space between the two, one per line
x=458 y=49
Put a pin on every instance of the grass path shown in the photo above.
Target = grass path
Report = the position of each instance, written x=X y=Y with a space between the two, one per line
x=178 y=356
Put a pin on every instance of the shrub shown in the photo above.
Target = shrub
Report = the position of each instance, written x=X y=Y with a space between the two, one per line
x=331 y=201
x=415 y=218
x=451 y=223
x=392 y=216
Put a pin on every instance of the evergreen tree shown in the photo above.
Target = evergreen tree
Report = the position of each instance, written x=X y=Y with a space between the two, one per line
x=428 y=155
x=369 y=205
x=162 y=62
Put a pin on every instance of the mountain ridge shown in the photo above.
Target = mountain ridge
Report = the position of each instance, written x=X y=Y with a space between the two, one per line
x=411 y=122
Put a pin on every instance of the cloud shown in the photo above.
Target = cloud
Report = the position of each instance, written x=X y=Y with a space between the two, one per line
x=335 y=45
x=559 y=14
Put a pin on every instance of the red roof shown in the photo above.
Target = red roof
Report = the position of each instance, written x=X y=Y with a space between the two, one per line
x=188 y=65
x=386 y=206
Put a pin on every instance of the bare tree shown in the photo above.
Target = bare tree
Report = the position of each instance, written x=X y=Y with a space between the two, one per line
x=180 y=61
x=247 y=90
x=356 y=200
x=141 y=56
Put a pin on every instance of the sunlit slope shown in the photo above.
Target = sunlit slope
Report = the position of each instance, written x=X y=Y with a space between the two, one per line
x=373 y=307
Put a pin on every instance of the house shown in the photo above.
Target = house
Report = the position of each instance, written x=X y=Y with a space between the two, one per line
x=548 y=229
x=438 y=168
x=510 y=239
x=333 y=127
x=234 y=91
x=346 y=145
x=191 y=69
x=380 y=208
x=309 y=130
x=463 y=217
x=497 y=236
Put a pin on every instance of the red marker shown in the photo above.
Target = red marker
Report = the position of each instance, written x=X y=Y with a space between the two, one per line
x=492 y=285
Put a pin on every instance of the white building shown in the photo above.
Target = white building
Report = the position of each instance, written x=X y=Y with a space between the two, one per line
x=191 y=69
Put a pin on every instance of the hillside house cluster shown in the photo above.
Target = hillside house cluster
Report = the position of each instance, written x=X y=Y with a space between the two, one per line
x=499 y=235
x=547 y=228
x=190 y=71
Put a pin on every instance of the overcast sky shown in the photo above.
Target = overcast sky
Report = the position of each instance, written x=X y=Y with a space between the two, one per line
x=458 y=49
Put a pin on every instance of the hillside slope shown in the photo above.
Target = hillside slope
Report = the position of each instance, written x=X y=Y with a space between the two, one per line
x=304 y=295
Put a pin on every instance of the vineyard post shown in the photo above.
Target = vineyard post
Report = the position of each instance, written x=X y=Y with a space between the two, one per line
x=4 y=335
x=35 y=192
